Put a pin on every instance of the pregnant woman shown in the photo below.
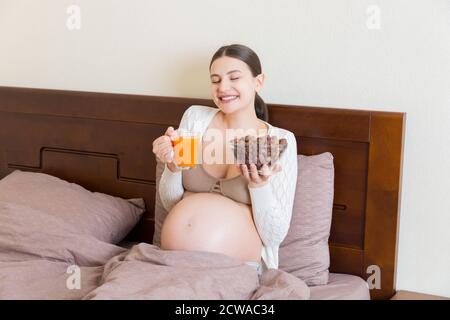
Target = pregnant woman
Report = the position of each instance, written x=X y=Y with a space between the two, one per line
x=224 y=207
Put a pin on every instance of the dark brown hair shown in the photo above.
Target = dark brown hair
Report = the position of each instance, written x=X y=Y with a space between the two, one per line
x=248 y=56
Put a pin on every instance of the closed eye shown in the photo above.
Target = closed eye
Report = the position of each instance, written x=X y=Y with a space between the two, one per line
x=232 y=79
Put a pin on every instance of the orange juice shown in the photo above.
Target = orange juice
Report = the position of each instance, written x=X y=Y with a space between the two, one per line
x=186 y=150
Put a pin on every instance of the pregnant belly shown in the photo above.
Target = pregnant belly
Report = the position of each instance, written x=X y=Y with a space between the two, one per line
x=212 y=222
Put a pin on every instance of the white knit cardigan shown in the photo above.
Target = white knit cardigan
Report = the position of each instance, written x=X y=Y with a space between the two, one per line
x=272 y=203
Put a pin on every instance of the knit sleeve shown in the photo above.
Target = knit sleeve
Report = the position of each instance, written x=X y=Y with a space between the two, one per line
x=272 y=203
x=171 y=188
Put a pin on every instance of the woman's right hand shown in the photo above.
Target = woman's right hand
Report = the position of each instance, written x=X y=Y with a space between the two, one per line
x=163 y=149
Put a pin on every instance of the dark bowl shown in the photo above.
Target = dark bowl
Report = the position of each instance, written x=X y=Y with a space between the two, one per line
x=258 y=150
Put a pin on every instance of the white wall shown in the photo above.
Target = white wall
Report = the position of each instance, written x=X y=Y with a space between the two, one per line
x=314 y=52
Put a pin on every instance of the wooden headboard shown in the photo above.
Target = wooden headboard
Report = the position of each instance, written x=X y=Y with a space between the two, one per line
x=103 y=142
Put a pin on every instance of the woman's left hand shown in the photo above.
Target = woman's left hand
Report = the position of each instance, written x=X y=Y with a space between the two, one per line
x=255 y=179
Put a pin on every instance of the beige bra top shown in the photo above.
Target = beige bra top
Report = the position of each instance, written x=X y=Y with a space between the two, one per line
x=198 y=180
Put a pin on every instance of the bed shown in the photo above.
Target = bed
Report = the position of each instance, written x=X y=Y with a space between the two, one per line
x=103 y=142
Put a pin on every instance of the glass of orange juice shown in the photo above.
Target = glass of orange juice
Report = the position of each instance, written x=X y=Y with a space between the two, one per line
x=186 y=145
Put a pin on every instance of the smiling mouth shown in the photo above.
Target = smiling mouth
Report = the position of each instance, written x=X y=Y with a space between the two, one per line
x=228 y=98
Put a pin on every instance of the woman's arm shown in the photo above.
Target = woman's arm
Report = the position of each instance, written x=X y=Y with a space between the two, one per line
x=170 y=188
x=171 y=183
x=272 y=203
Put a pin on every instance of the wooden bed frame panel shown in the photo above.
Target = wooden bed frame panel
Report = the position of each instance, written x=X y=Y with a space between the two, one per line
x=103 y=142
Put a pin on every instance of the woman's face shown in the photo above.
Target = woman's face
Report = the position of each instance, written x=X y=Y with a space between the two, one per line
x=233 y=86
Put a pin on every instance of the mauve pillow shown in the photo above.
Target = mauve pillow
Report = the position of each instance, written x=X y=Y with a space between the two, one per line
x=104 y=217
x=30 y=234
x=305 y=252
